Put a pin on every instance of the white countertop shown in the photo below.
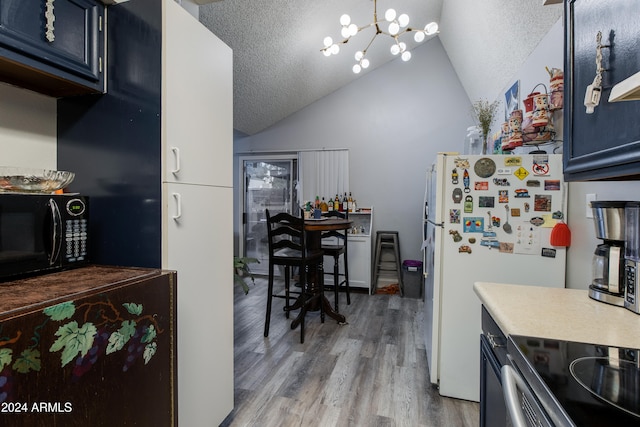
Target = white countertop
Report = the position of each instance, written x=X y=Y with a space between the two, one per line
x=558 y=313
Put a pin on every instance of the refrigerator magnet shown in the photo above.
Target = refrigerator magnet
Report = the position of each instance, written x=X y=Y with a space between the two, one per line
x=454 y=216
x=466 y=181
x=486 y=201
x=473 y=225
x=457 y=195
x=552 y=185
x=521 y=173
x=468 y=204
x=481 y=185
x=455 y=235
x=454 y=176
x=542 y=203
x=503 y=196
x=485 y=167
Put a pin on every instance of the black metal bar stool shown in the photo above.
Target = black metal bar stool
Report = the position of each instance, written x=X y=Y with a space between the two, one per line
x=335 y=250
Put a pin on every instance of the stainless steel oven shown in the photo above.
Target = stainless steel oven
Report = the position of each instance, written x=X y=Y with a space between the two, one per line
x=565 y=384
x=40 y=233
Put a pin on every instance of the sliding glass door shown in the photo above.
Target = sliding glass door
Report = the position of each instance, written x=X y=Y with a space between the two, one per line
x=269 y=183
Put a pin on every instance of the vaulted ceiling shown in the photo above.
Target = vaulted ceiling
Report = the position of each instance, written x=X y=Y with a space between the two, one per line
x=278 y=65
x=279 y=68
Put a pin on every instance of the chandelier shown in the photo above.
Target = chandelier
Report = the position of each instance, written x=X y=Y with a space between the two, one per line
x=397 y=27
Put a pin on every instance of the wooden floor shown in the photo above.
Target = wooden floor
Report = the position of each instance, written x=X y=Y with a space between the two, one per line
x=369 y=372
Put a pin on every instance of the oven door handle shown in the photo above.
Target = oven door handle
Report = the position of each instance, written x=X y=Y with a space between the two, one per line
x=512 y=385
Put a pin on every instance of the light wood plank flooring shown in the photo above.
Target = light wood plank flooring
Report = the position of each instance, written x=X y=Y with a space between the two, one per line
x=370 y=372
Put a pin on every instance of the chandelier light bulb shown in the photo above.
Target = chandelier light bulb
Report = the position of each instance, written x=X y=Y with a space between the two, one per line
x=431 y=28
x=396 y=27
x=390 y=14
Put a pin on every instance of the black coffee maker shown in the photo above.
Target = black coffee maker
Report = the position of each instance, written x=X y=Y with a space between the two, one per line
x=608 y=268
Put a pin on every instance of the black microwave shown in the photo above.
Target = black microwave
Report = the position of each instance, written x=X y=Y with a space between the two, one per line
x=42 y=233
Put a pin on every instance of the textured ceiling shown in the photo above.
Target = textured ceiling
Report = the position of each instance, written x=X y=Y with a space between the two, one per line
x=278 y=67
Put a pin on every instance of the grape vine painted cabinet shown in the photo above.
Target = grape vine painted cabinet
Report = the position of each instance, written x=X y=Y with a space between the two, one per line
x=92 y=346
x=53 y=47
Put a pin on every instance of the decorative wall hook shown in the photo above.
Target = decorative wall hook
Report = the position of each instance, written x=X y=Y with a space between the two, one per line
x=594 y=90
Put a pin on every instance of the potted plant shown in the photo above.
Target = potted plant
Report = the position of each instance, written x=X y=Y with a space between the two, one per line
x=241 y=270
x=484 y=113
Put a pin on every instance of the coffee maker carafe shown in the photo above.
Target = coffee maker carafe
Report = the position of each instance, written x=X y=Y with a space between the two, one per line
x=632 y=256
x=608 y=268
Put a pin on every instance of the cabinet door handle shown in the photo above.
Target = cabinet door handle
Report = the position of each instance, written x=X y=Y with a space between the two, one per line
x=49 y=18
x=176 y=152
x=178 y=198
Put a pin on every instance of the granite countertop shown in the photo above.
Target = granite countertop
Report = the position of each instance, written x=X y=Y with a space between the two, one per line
x=558 y=313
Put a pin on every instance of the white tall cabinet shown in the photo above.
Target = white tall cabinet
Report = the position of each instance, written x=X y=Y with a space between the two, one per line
x=197 y=193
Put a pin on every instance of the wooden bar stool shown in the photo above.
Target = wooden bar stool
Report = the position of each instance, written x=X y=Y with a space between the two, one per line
x=288 y=248
x=387 y=241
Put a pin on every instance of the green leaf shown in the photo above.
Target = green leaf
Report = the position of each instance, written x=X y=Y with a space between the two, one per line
x=133 y=308
x=149 y=351
x=119 y=338
x=29 y=360
x=61 y=311
x=149 y=334
x=5 y=357
x=73 y=340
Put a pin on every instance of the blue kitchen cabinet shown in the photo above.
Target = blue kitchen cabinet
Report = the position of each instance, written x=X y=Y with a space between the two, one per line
x=52 y=47
x=604 y=144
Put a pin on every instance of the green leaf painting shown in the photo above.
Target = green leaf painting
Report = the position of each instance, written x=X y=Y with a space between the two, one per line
x=149 y=334
x=135 y=309
x=29 y=360
x=73 y=340
x=61 y=311
x=119 y=338
x=149 y=351
x=5 y=357
x=86 y=330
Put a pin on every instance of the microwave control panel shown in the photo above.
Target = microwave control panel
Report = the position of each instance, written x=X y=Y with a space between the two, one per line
x=75 y=229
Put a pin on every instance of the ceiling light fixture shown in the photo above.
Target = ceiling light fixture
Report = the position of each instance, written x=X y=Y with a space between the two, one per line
x=398 y=25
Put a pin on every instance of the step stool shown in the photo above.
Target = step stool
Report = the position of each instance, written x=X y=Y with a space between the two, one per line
x=387 y=258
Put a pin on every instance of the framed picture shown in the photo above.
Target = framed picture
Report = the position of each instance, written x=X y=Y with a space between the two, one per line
x=511 y=99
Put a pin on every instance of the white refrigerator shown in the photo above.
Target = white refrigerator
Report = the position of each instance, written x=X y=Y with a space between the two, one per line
x=486 y=218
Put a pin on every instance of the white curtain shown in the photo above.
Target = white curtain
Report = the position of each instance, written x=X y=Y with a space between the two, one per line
x=322 y=173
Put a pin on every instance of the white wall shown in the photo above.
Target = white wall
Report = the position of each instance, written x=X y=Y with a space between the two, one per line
x=489 y=40
x=393 y=121
x=27 y=128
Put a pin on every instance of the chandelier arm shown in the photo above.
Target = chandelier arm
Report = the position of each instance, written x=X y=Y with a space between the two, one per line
x=364 y=51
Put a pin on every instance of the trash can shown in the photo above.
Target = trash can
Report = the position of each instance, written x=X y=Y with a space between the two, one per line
x=412 y=278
